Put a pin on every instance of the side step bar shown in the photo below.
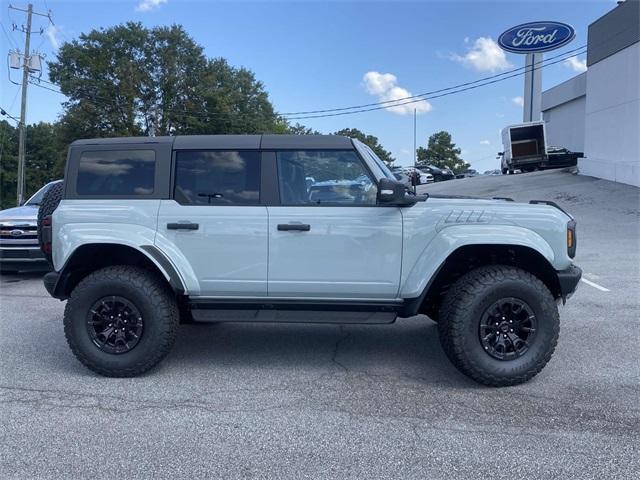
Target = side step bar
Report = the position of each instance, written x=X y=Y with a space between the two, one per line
x=293 y=311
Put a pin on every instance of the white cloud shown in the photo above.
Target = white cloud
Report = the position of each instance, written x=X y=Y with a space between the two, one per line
x=148 y=5
x=575 y=64
x=485 y=142
x=519 y=101
x=484 y=56
x=52 y=34
x=385 y=87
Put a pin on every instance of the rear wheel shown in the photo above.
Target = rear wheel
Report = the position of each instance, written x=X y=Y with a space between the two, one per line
x=499 y=325
x=121 y=321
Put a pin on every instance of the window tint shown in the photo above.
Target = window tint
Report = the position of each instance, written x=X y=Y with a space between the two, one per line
x=324 y=177
x=217 y=178
x=116 y=172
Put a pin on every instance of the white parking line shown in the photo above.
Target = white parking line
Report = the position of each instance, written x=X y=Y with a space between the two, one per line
x=595 y=285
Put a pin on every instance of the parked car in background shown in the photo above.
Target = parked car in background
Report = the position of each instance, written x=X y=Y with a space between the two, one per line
x=468 y=173
x=493 y=172
x=439 y=174
x=425 y=177
x=19 y=249
x=421 y=177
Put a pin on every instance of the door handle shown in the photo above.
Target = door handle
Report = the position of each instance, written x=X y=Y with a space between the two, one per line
x=183 y=226
x=288 y=227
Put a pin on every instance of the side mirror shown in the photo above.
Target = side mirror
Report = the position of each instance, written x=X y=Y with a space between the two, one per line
x=391 y=192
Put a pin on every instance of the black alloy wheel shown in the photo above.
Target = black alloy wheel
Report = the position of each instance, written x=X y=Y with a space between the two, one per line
x=114 y=324
x=507 y=328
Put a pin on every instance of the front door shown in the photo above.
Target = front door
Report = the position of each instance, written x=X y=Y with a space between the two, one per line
x=328 y=238
x=215 y=222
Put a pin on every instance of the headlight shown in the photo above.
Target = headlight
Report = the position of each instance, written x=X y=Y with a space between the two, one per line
x=571 y=238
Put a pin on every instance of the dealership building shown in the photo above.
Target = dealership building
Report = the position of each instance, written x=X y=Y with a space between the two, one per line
x=598 y=111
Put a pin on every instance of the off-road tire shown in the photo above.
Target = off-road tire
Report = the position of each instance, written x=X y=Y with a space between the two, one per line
x=50 y=202
x=153 y=299
x=460 y=315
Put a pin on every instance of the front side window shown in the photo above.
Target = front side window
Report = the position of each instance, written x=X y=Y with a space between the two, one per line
x=217 y=178
x=116 y=173
x=330 y=177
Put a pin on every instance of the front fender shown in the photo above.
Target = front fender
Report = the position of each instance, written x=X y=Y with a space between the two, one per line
x=450 y=238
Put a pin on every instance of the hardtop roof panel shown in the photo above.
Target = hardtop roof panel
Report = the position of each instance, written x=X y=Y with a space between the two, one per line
x=302 y=142
x=123 y=140
x=197 y=142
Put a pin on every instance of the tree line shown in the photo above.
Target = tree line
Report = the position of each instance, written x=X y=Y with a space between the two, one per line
x=129 y=80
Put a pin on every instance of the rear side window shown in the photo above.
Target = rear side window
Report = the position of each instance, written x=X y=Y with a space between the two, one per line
x=217 y=178
x=116 y=173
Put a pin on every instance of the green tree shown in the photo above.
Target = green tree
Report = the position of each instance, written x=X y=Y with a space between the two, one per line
x=369 y=140
x=44 y=160
x=299 y=129
x=131 y=80
x=442 y=152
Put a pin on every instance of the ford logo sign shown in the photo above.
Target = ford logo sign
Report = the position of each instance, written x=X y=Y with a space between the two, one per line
x=536 y=37
x=17 y=233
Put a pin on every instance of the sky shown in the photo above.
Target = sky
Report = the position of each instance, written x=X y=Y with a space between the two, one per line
x=314 y=55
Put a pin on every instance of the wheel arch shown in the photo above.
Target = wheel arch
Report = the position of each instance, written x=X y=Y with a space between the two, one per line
x=89 y=257
x=469 y=257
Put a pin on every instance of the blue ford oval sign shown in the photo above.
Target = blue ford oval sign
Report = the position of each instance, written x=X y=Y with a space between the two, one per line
x=536 y=37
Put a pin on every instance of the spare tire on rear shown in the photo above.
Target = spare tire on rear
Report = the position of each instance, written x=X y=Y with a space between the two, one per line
x=50 y=202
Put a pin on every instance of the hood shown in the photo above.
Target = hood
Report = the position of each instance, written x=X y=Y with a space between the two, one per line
x=26 y=212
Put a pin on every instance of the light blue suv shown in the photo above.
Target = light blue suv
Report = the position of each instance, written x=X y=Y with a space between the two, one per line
x=147 y=232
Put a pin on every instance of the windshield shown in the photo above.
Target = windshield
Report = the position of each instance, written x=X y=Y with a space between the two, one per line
x=365 y=150
x=36 y=199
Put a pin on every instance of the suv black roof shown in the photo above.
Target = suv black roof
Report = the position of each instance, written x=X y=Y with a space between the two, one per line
x=232 y=141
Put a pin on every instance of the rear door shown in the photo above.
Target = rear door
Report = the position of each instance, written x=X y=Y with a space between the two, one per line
x=328 y=238
x=214 y=224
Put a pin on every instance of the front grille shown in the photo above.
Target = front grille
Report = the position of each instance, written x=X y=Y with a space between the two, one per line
x=18 y=232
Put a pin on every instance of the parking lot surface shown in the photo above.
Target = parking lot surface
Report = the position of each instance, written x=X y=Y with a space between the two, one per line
x=317 y=401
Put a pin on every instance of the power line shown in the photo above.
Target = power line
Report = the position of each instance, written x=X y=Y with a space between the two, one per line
x=569 y=52
x=10 y=38
x=443 y=92
x=430 y=97
x=398 y=101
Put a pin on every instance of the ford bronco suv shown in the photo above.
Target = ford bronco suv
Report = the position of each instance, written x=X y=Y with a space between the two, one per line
x=146 y=233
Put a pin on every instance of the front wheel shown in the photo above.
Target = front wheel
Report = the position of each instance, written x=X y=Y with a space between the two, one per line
x=499 y=325
x=121 y=321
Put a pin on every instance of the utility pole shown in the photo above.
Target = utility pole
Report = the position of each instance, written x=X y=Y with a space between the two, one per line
x=415 y=151
x=26 y=64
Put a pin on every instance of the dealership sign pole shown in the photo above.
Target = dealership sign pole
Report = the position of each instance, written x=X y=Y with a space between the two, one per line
x=533 y=39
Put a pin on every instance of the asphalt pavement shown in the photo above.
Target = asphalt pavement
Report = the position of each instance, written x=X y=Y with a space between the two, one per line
x=327 y=401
